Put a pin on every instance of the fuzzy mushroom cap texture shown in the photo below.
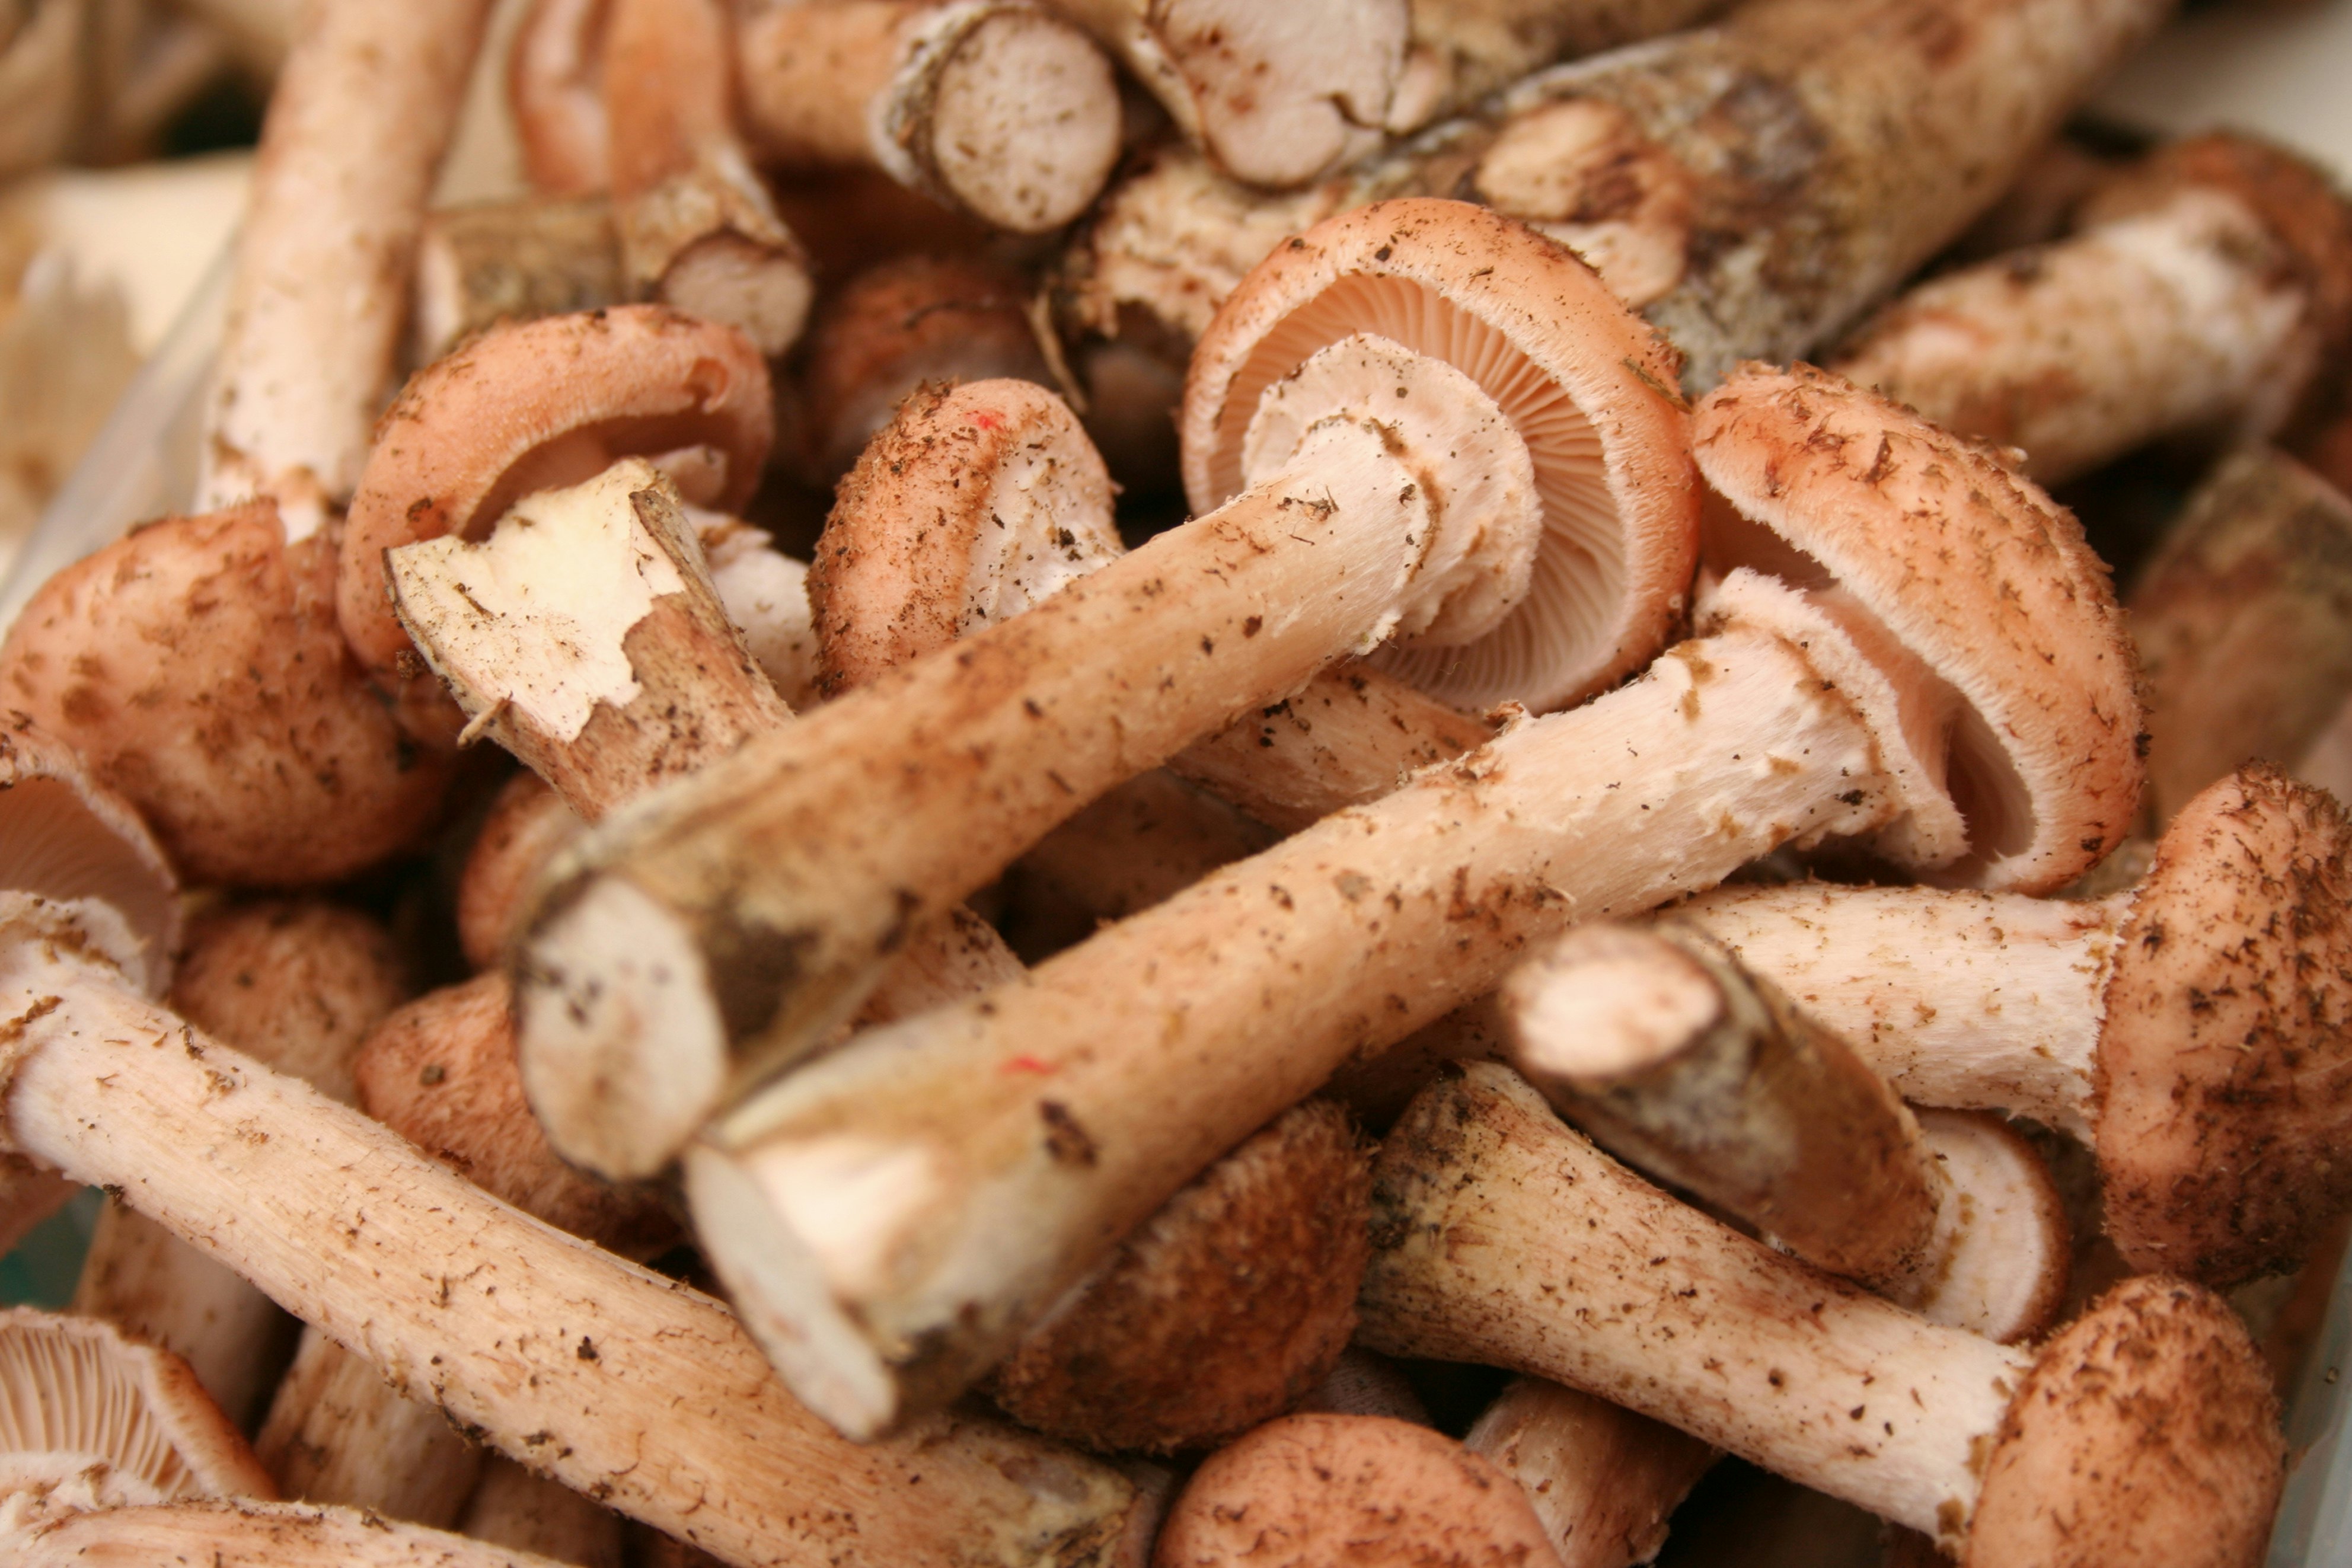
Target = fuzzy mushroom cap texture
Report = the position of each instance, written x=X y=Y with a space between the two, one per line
x=973 y=503
x=1588 y=386
x=529 y=824
x=197 y=667
x=1225 y=1309
x=64 y=836
x=296 y=983
x=539 y=407
x=1365 y=1491
x=442 y=1073
x=2147 y=1431
x=2223 y=1084
x=90 y=1419
x=1975 y=574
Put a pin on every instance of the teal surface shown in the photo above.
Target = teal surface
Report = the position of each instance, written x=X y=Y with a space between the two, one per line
x=41 y=1272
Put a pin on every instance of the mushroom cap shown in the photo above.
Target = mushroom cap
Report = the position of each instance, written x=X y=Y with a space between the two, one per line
x=2222 y=1090
x=1590 y=387
x=1364 y=1489
x=442 y=1073
x=64 y=836
x=97 y=1420
x=1227 y=1308
x=539 y=406
x=2145 y=1432
x=529 y=824
x=1973 y=572
x=197 y=667
x=975 y=502
x=295 y=984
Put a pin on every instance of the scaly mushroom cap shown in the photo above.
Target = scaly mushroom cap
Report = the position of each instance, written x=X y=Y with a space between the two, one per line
x=1000 y=466
x=1226 y=1308
x=528 y=823
x=1928 y=542
x=442 y=1073
x=539 y=407
x=2155 y=1394
x=293 y=982
x=89 y=1419
x=196 y=667
x=1363 y=1489
x=1588 y=385
x=2223 y=1084
x=64 y=836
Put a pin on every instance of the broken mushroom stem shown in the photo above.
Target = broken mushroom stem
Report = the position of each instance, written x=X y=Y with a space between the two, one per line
x=1603 y=1479
x=2148 y=1426
x=339 y=1432
x=1661 y=1046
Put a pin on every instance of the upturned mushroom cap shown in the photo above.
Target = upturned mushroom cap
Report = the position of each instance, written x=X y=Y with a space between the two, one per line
x=1000 y=467
x=1590 y=388
x=198 y=668
x=1227 y=1308
x=2224 y=1070
x=89 y=1419
x=2030 y=724
x=64 y=836
x=539 y=407
x=2158 y=1396
x=293 y=982
x=1363 y=1489
x=442 y=1073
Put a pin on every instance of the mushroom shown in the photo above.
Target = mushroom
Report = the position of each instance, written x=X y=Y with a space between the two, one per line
x=1662 y=1047
x=89 y=1419
x=528 y=826
x=698 y=230
x=1375 y=1491
x=1275 y=95
x=362 y=112
x=765 y=593
x=525 y=1512
x=197 y=666
x=2243 y=622
x=2143 y=1431
x=339 y=1432
x=1362 y=1384
x=530 y=407
x=883 y=1224
x=1426 y=514
x=248 y=1534
x=996 y=107
x=2211 y=289
x=1464 y=49
x=40 y=84
x=555 y=95
x=2189 y=1029
x=516 y=260
x=293 y=984
x=1602 y=1479
x=1751 y=187
x=598 y=1373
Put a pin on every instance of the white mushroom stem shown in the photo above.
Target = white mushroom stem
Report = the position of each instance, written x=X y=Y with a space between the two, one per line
x=249 y=1535
x=1603 y=1479
x=882 y=809
x=362 y=113
x=337 y=1432
x=698 y=229
x=521 y=1512
x=1464 y=49
x=996 y=107
x=1276 y=95
x=610 y=1379
x=1663 y=1047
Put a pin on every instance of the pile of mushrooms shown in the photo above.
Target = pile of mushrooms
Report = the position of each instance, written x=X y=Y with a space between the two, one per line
x=1547 y=893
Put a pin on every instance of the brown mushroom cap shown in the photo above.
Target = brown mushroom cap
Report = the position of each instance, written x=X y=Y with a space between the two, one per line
x=442 y=1073
x=1001 y=468
x=1361 y=1489
x=1973 y=572
x=293 y=982
x=1227 y=1308
x=65 y=836
x=1588 y=386
x=88 y=1418
x=2158 y=1395
x=527 y=824
x=544 y=404
x=2225 y=1066
x=197 y=667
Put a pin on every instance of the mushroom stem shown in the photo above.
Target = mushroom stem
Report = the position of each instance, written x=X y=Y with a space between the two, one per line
x=245 y=1533
x=1464 y=49
x=998 y=108
x=606 y=1377
x=1664 y=1049
x=512 y=261
x=1809 y=1377
x=698 y=229
x=2243 y=623
x=2206 y=291
x=338 y=1433
x=519 y=1511
x=1604 y=1480
x=357 y=125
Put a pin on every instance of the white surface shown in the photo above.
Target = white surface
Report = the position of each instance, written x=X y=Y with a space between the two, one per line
x=2286 y=73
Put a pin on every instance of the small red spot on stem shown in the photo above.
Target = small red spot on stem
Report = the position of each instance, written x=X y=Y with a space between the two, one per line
x=1028 y=1064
